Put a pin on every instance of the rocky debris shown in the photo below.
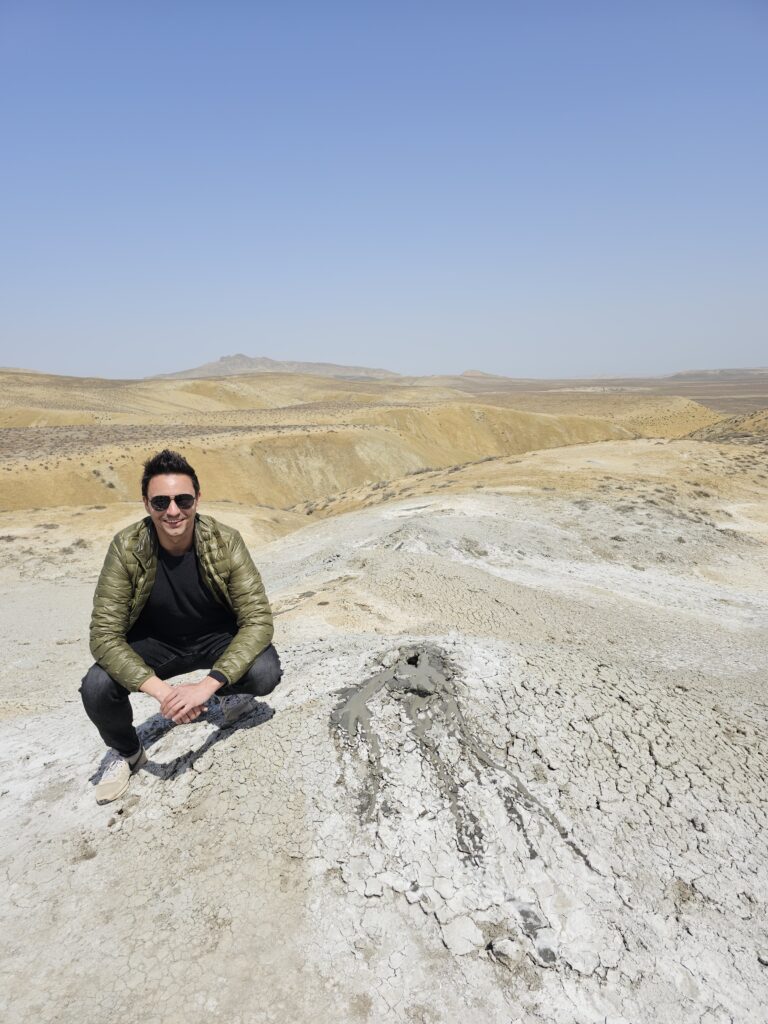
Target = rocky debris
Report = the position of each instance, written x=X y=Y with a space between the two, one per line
x=505 y=951
x=461 y=935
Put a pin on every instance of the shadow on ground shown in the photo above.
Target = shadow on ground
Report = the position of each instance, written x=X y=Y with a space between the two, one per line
x=157 y=726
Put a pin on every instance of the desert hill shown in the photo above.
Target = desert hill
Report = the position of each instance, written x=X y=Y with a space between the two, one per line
x=747 y=429
x=240 y=364
x=280 y=439
x=725 y=374
x=729 y=391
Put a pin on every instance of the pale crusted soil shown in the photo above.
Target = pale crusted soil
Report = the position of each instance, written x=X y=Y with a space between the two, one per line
x=516 y=771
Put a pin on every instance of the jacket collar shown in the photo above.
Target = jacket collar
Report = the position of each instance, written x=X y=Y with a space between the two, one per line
x=198 y=538
x=147 y=544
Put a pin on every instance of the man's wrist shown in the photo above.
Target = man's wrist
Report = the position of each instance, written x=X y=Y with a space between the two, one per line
x=155 y=687
x=212 y=683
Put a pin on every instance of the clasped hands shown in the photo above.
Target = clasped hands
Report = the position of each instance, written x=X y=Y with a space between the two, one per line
x=187 y=702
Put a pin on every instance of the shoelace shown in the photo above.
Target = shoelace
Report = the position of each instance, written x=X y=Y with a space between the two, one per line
x=113 y=768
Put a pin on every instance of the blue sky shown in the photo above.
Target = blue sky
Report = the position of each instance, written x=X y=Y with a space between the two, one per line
x=542 y=188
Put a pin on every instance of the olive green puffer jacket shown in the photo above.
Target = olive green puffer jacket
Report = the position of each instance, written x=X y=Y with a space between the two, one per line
x=126 y=580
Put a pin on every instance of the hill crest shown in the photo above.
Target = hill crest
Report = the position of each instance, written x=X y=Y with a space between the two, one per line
x=239 y=363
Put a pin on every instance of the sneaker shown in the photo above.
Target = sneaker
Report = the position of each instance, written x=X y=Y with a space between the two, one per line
x=234 y=707
x=117 y=775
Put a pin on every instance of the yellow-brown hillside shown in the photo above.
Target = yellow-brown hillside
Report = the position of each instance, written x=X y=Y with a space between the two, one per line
x=279 y=440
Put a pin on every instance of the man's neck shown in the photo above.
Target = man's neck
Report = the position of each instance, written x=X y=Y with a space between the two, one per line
x=176 y=549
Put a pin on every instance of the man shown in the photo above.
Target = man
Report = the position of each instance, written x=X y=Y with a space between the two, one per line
x=178 y=592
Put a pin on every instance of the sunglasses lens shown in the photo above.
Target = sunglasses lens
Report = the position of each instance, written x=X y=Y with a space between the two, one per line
x=161 y=502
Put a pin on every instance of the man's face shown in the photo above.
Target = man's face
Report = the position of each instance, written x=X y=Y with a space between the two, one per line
x=174 y=524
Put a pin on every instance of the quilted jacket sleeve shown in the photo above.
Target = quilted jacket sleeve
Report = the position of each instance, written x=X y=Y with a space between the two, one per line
x=109 y=622
x=251 y=607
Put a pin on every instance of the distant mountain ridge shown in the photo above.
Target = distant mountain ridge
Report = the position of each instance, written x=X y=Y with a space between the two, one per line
x=746 y=371
x=229 y=366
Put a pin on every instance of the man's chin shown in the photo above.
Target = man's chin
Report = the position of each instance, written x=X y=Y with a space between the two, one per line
x=175 y=529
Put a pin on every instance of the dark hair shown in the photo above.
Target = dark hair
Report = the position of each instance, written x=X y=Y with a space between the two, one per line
x=167 y=461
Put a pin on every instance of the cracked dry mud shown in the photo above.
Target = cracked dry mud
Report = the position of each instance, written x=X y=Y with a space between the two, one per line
x=516 y=772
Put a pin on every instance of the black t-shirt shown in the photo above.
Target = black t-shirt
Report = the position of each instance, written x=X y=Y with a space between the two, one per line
x=181 y=610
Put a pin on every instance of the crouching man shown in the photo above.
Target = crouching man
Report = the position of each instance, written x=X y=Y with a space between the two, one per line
x=178 y=592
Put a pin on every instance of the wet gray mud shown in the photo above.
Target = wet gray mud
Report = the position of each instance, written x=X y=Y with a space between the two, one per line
x=407 y=718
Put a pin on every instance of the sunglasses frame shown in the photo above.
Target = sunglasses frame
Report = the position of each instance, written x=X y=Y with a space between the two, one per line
x=189 y=501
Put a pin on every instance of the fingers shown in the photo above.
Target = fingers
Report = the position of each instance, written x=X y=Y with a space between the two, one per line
x=175 y=705
x=181 y=699
x=182 y=705
x=174 y=702
x=187 y=715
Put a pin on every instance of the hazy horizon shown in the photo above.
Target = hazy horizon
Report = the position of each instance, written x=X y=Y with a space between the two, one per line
x=454 y=373
x=569 y=192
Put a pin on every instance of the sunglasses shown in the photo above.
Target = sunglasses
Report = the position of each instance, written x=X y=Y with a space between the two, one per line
x=162 y=501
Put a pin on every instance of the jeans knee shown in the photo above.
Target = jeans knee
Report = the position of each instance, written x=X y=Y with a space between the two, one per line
x=264 y=674
x=94 y=686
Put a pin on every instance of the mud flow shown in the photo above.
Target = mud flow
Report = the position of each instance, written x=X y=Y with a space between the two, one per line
x=413 y=761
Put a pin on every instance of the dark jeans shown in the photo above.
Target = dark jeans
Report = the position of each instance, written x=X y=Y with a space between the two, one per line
x=108 y=705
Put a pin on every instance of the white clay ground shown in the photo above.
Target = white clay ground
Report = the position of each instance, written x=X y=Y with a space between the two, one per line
x=555 y=811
